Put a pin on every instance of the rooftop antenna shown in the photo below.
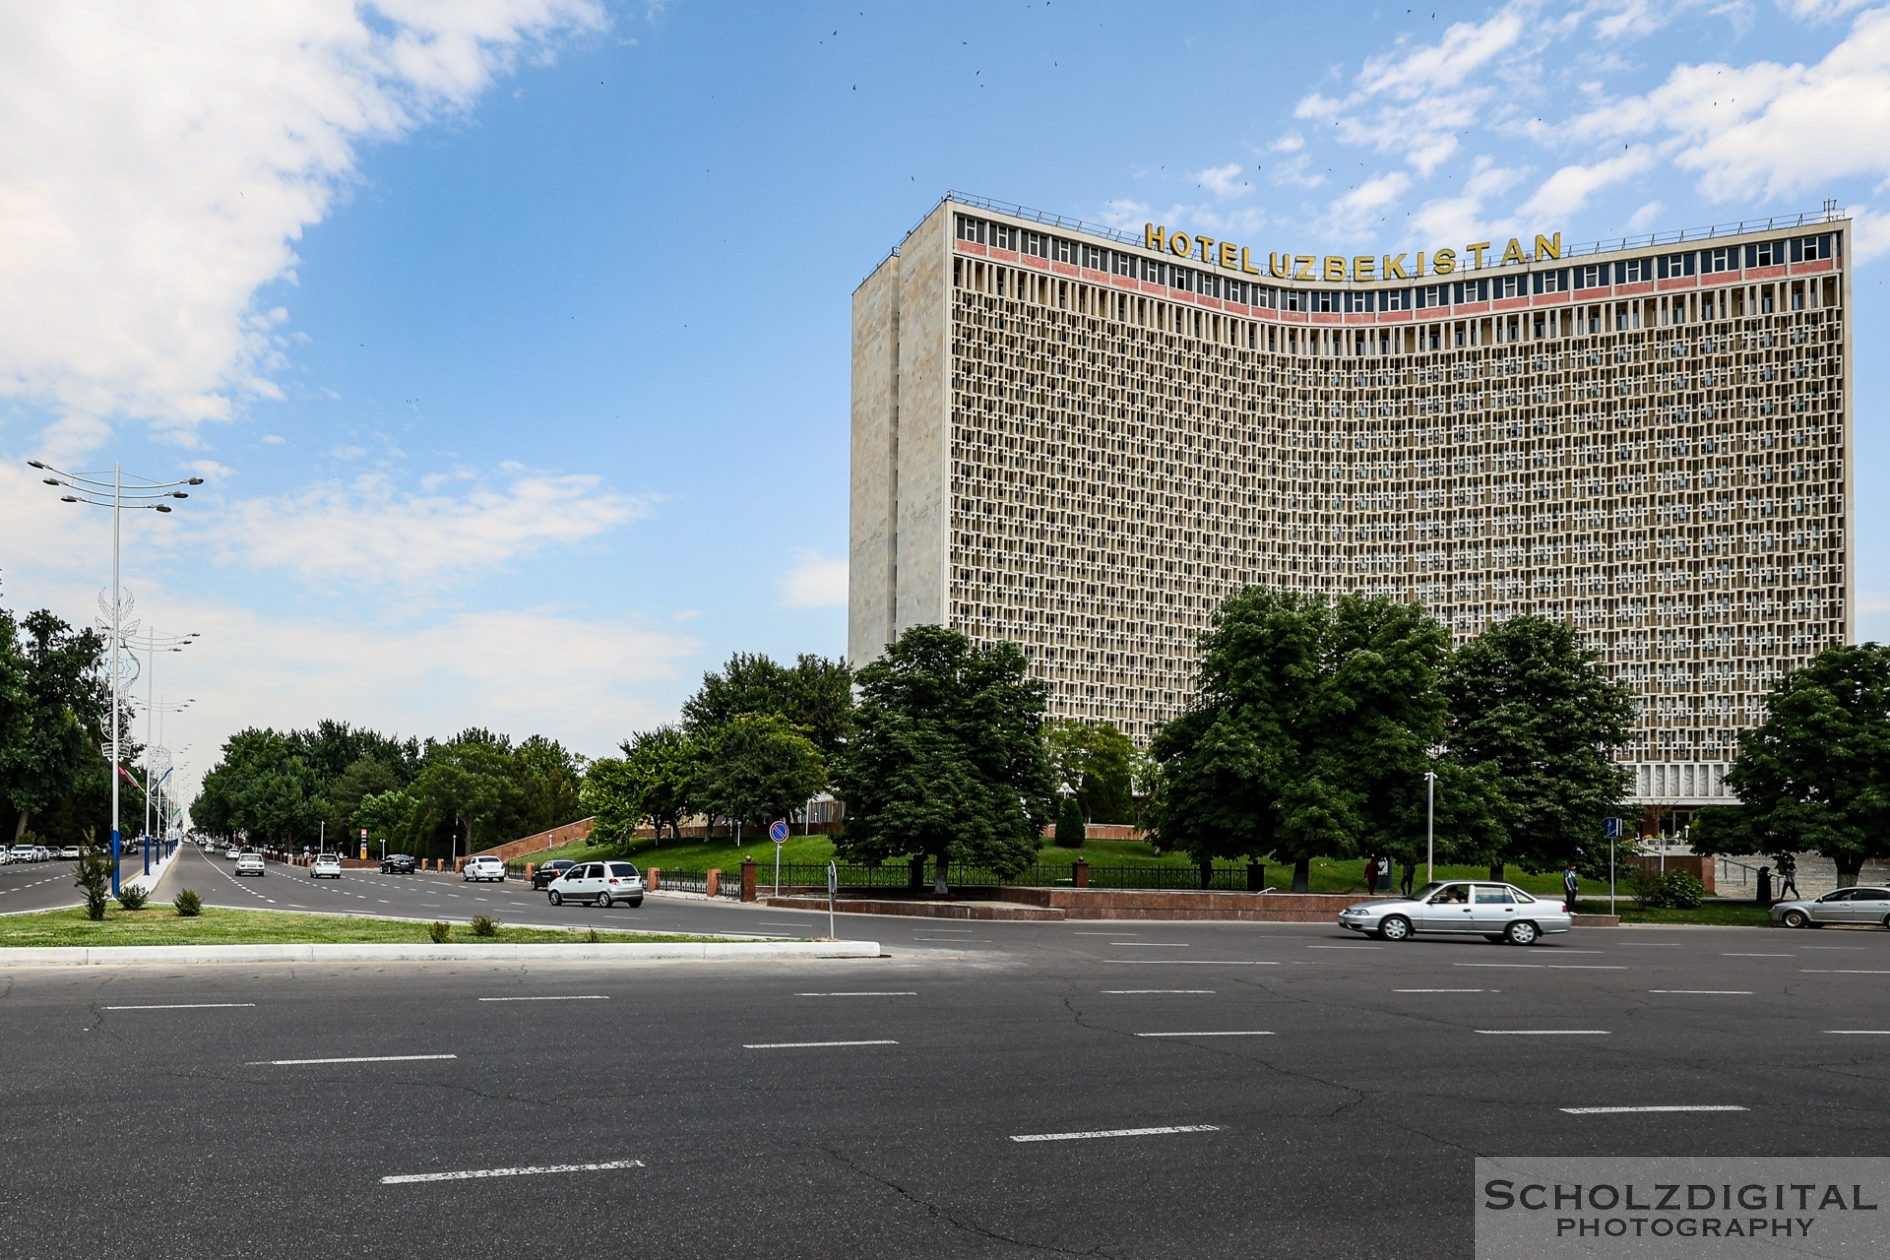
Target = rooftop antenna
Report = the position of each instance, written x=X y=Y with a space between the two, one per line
x=1830 y=209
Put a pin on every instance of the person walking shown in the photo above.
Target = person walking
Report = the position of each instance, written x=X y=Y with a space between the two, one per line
x=1571 y=884
x=1371 y=877
x=1410 y=877
x=1787 y=877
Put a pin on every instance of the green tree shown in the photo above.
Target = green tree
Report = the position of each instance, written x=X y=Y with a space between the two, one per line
x=814 y=694
x=1071 y=830
x=1096 y=761
x=365 y=776
x=1815 y=774
x=262 y=788
x=462 y=788
x=548 y=778
x=1536 y=716
x=947 y=758
x=55 y=704
x=1309 y=732
x=389 y=816
x=665 y=766
x=760 y=768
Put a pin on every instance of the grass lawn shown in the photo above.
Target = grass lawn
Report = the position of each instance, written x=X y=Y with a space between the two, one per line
x=162 y=925
x=1718 y=913
x=1328 y=875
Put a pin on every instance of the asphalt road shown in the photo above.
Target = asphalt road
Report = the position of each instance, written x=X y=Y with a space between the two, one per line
x=1349 y=1085
x=26 y=886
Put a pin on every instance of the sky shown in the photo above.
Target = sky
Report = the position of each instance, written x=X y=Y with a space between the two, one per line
x=511 y=337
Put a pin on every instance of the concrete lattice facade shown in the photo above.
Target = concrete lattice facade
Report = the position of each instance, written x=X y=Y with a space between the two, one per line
x=1068 y=440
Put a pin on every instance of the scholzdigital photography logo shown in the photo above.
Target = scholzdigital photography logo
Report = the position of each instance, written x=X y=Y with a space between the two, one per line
x=1683 y=1208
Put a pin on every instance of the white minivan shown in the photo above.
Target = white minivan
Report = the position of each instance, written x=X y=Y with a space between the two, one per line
x=606 y=883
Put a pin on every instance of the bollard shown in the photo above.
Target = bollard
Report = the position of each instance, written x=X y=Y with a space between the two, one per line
x=712 y=883
x=748 y=879
x=529 y=868
x=1079 y=872
x=652 y=879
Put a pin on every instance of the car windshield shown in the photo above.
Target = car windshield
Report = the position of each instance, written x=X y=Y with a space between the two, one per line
x=1426 y=891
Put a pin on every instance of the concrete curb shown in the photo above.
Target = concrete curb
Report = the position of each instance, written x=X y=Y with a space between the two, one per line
x=150 y=882
x=715 y=951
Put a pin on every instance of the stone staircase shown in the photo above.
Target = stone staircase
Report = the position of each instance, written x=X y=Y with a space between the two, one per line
x=1737 y=876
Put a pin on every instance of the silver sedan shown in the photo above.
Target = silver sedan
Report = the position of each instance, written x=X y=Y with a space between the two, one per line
x=1496 y=912
x=1846 y=905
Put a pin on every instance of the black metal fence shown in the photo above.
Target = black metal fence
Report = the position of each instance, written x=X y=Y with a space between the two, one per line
x=1042 y=875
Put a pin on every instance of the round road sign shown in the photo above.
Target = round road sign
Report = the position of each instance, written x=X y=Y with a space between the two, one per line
x=777 y=831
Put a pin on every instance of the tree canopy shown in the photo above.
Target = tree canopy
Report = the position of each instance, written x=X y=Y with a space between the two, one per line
x=757 y=768
x=1815 y=773
x=1535 y=714
x=1095 y=761
x=54 y=704
x=947 y=758
x=1309 y=733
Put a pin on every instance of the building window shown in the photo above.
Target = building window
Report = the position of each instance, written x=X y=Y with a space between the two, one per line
x=970 y=229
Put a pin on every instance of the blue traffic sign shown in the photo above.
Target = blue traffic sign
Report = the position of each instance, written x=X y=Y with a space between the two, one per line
x=778 y=831
x=1612 y=829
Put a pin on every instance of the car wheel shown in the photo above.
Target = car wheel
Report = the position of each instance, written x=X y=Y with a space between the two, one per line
x=1795 y=919
x=1522 y=932
x=604 y=901
x=639 y=901
x=1494 y=937
x=1395 y=927
x=557 y=898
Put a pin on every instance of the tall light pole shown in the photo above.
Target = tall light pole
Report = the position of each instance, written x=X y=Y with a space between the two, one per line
x=152 y=642
x=1430 y=826
x=151 y=751
x=139 y=492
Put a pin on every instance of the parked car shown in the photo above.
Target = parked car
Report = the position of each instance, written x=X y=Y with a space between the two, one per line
x=543 y=875
x=26 y=853
x=483 y=868
x=70 y=853
x=45 y=854
x=1496 y=912
x=605 y=883
x=234 y=853
x=1846 y=905
x=325 y=864
x=398 y=864
x=250 y=864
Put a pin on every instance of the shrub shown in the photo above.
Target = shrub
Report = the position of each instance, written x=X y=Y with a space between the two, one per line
x=132 y=897
x=94 y=878
x=484 y=925
x=188 y=904
x=438 y=932
x=1071 y=830
x=1681 y=890
x=593 y=937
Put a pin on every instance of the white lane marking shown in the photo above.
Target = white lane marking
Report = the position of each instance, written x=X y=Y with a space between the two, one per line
x=1188 y=962
x=1542 y=1032
x=1115 y=1133
x=372 y=1058
x=1443 y=990
x=1621 y=1111
x=1345 y=947
x=1758 y=955
x=1857 y=1032
x=1848 y=949
x=183 y=1006
x=809 y=1045
x=1707 y=992
x=1102 y=934
x=554 y=997
x=955 y=940
x=1127 y=992
x=949 y=931
x=1548 y=966
x=1154 y=944
x=1234 y=1033
x=865 y=993
x=1840 y=971
x=407 y=1179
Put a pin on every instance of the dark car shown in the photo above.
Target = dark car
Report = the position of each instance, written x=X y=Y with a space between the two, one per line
x=397 y=864
x=543 y=875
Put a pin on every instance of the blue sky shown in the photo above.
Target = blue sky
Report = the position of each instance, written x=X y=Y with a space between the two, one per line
x=512 y=338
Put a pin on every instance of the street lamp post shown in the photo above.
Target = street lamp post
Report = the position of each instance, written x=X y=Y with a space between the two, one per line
x=153 y=643
x=1430 y=826
x=151 y=784
x=140 y=493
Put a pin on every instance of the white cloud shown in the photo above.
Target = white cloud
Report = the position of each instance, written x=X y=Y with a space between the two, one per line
x=272 y=439
x=1355 y=211
x=815 y=581
x=1870 y=233
x=1569 y=189
x=1820 y=10
x=1464 y=48
x=1645 y=217
x=1463 y=217
x=211 y=470
x=157 y=163
x=347 y=452
x=1222 y=181
x=1123 y=214
x=369 y=532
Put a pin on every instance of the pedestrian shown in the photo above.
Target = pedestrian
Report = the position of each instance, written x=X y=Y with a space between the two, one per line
x=1571 y=885
x=1410 y=877
x=1787 y=877
x=1371 y=876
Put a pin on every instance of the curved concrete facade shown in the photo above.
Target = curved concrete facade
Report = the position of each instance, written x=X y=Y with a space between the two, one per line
x=1069 y=439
